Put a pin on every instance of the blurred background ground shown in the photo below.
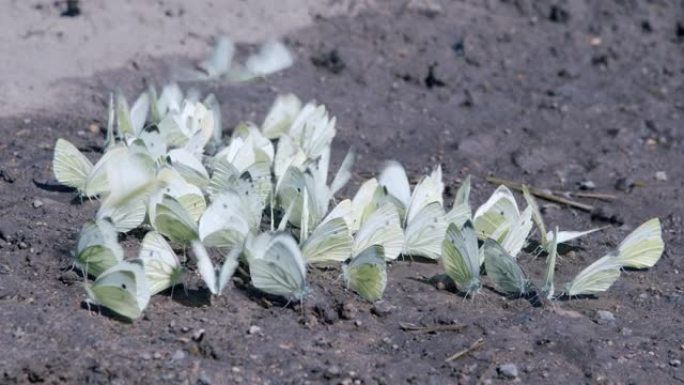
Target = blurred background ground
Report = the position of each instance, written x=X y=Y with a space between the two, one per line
x=556 y=94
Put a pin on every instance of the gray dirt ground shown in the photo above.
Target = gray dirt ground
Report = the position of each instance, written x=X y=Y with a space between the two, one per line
x=549 y=93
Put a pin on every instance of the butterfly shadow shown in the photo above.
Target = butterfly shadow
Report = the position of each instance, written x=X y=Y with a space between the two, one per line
x=103 y=311
x=443 y=279
x=194 y=298
x=53 y=187
x=567 y=298
x=535 y=248
x=533 y=296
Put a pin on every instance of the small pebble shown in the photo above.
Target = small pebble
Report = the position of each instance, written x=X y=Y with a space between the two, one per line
x=37 y=203
x=675 y=363
x=382 y=309
x=661 y=176
x=586 y=185
x=508 y=371
x=254 y=330
x=178 y=355
x=198 y=335
x=69 y=277
x=604 y=317
x=332 y=372
x=22 y=245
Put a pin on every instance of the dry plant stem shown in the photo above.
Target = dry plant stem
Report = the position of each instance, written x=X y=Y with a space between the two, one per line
x=542 y=194
x=588 y=195
x=474 y=346
x=432 y=328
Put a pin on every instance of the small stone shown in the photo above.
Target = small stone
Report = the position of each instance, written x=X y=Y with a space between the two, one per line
x=382 y=309
x=358 y=323
x=178 y=355
x=69 y=277
x=37 y=203
x=198 y=335
x=22 y=245
x=586 y=185
x=236 y=369
x=626 y=332
x=94 y=128
x=348 y=311
x=157 y=355
x=508 y=371
x=429 y=8
x=675 y=363
x=184 y=329
x=146 y=356
x=332 y=372
x=5 y=232
x=254 y=330
x=661 y=176
x=604 y=317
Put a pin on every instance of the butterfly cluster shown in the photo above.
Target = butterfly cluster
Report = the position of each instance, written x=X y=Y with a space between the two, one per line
x=264 y=199
x=504 y=230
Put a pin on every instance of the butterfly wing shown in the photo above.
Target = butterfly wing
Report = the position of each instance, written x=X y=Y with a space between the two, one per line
x=393 y=177
x=595 y=278
x=547 y=288
x=329 y=242
x=173 y=221
x=381 y=228
x=516 y=235
x=460 y=211
x=499 y=211
x=161 y=265
x=97 y=248
x=643 y=247
x=504 y=270
x=425 y=232
x=122 y=289
x=70 y=166
x=281 y=115
x=366 y=273
x=428 y=191
x=277 y=267
x=460 y=256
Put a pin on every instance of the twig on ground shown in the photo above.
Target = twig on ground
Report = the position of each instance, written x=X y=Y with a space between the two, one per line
x=542 y=194
x=431 y=328
x=474 y=346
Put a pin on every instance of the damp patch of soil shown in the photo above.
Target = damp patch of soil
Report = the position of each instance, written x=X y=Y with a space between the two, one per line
x=553 y=94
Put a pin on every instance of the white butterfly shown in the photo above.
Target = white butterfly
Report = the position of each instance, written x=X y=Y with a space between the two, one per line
x=460 y=211
x=132 y=178
x=383 y=228
x=643 y=247
x=461 y=257
x=122 y=289
x=330 y=241
x=424 y=221
x=216 y=280
x=563 y=236
x=281 y=115
x=97 y=248
x=174 y=221
x=276 y=265
x=366 y=273
x=162 y=267
x=227 y=221
x=496 y=215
